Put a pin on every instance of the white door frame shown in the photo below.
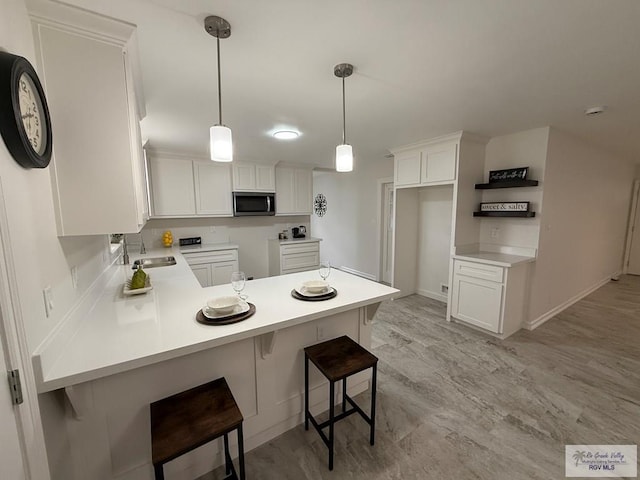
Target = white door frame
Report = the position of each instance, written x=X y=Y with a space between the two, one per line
x=631 y=226
x=380 y=220
x=17 y=355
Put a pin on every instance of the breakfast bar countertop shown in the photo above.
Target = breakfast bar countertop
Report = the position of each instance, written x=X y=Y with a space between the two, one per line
x=121 y=333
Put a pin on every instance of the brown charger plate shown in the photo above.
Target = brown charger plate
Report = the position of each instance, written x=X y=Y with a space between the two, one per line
x=238 y=317
x=317 y=298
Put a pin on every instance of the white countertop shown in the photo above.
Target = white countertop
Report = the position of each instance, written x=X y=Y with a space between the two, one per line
x=208 y=247
x=296 y=240
x=498 y=259
x=121 y=333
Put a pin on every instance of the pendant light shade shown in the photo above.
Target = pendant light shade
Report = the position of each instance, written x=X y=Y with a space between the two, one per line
x=221 y=146
x=344 y=158
x=344 y=152
x=220 y=143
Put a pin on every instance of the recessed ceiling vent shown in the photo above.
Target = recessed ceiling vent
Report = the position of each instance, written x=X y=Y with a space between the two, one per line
x=595 y=110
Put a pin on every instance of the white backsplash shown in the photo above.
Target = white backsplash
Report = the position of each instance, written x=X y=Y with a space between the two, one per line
x=251 y=234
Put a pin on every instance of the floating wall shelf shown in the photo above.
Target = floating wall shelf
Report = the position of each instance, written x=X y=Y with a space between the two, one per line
x=507 y=184
x=504 y=214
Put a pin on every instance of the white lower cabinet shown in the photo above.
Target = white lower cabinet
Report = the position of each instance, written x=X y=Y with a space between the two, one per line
x=293 y=257
x=489 y=296
x=213 y=268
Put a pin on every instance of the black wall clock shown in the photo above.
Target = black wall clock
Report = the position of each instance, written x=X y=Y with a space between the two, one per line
x=24 y=116
x=320 y=205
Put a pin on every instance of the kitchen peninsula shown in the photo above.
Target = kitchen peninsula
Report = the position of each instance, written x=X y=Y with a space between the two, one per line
x=130 y=351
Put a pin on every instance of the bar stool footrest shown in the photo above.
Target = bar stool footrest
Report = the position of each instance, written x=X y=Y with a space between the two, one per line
x=355 y=409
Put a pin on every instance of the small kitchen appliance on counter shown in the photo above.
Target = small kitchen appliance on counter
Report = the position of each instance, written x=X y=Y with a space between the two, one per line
x=299 y=232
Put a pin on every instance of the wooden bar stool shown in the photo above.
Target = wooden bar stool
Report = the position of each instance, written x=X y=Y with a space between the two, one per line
x=190 y=419
x=338 y=359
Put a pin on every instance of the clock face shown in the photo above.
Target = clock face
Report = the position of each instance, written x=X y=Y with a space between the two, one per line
x=31 y=112
x=320 y=205
x=25 y=123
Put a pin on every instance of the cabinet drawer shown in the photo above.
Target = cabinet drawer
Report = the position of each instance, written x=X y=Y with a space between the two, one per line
x=198 y=258
x=298 y=261
x=479 y=270
x=301 y=248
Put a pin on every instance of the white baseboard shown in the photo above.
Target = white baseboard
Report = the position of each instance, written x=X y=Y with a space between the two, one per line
x=434 y=295
x=368 y=276
x=533 y=324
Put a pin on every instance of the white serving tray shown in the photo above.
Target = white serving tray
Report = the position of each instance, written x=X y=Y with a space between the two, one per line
x=126 y=290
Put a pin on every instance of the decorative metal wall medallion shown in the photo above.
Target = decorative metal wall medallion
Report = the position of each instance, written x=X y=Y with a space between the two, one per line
x=320 y=205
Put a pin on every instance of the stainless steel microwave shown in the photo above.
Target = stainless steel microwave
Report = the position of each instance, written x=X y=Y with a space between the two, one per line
x=246 y=204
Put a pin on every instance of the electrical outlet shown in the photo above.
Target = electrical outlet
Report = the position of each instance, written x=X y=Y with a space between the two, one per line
x=74 y=277
x=444 y=288
x=320 y=332
x=48 y=300
x=495 y=232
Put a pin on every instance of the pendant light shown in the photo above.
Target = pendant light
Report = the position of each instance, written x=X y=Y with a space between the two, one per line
x=344 y=152
x=220 y=146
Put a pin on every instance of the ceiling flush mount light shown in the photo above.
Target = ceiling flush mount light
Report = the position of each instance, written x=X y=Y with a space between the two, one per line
x=220 y=146
x=344 y=152
x=286 y=135
x=595 y=110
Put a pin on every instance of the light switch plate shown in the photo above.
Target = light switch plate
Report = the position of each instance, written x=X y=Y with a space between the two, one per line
x=74 y=277
x=48 y=300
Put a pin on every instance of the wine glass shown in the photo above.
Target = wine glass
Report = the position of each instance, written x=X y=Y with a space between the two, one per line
x=324 y=270
x=238 y=281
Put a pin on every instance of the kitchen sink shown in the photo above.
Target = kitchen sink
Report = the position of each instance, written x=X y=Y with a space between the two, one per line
x=154 y=262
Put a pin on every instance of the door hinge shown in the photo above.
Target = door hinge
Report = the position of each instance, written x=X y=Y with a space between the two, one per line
x=15 y=386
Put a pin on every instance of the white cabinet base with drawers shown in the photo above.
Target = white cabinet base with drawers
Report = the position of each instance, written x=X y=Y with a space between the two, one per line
x=490 y=297
x=213 y=267
x=293 y=256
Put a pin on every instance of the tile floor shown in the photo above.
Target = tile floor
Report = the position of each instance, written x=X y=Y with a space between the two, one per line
x=458 y=404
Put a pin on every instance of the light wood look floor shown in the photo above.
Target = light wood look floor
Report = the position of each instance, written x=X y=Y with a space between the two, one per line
x=458 y=404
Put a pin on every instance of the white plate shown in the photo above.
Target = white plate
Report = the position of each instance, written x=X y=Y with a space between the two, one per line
x=305 y=293
x=211 y=314
x=126 y=289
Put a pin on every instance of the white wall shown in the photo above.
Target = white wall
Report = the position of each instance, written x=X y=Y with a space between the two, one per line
x=249 y=233
x=41 y=258
x=434 y=240
x=522 y=149
x=587 y=193
x=37 y=255
x=349 y=229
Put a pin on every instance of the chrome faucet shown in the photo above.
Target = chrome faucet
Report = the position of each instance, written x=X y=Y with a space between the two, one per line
x=125 y=253
x=143 y=250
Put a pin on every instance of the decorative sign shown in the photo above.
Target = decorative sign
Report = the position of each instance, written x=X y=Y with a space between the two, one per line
x=508 y=175
x=504 y=207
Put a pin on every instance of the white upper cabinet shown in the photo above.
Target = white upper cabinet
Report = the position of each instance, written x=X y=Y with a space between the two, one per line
x=253 y=177
x=97 y=170
x=427 y=165
x=407 y=168
x=182 y=187
x=172 y=187
x=294 y=190
x=213 y=189
x=438 y=163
